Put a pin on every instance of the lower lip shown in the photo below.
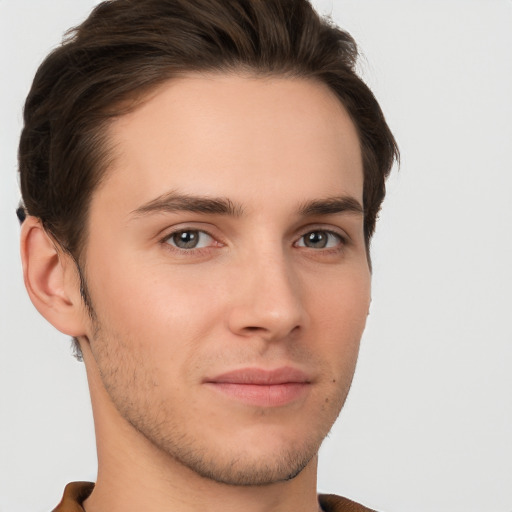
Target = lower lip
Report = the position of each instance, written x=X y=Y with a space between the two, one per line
x=274 y=395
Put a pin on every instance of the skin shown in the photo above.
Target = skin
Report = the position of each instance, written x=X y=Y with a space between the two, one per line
x=259 y=291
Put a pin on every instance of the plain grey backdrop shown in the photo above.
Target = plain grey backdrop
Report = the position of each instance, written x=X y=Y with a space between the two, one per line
x=428 y=424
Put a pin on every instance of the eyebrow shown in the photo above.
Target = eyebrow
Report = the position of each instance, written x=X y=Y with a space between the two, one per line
x=174 y=202
x=330 y=206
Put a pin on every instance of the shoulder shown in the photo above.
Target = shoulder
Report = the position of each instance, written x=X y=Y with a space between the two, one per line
x=74 y=494
x=333 y=503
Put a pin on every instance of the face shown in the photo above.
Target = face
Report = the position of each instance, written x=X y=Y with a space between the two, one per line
x=227 y=270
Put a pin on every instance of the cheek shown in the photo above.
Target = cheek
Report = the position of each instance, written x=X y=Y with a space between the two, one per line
x=343 y=300
x=338 y=317
x=155 y=306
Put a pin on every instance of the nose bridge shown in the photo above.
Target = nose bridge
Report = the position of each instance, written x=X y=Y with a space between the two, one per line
x=269 y=297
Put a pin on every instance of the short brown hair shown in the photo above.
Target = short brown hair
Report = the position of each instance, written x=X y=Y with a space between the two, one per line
x=126 y=47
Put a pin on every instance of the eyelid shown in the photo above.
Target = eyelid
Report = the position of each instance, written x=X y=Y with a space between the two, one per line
x=340 y=241
x=201 y=234
x=168 y=233
x=205 y=227
x=335 y=230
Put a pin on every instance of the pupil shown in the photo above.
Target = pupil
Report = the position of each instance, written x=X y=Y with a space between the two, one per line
x=186 y=239
x=316 y=239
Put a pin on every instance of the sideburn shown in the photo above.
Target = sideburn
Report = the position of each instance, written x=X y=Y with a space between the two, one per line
x=86 y=299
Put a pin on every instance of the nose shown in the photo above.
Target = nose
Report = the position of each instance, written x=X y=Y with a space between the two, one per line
x=268 y=300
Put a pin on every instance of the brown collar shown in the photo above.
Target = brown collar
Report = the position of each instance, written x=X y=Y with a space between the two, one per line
x=76 y=493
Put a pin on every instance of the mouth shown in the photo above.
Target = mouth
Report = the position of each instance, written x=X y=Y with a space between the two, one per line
x=262 y=388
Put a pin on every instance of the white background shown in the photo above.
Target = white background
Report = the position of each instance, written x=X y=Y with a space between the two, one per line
x=428 y=424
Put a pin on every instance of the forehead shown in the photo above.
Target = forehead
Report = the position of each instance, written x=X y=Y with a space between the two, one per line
x=226 y=134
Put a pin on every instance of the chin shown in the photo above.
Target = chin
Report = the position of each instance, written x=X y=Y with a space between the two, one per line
x=258 y=457
x=247 y=468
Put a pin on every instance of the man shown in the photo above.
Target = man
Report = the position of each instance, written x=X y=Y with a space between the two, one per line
x=201 y=181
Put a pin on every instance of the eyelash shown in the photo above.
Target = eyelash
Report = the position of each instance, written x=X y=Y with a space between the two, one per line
x=192 y=250
x=341 y=244
x=341 y=240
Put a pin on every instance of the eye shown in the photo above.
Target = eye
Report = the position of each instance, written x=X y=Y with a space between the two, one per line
x=189 y=239
x=320 y=239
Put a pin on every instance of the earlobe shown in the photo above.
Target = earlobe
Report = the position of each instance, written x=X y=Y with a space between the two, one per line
x=50 y=278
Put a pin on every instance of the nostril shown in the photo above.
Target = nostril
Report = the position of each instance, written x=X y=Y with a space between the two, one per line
x=253 y=329
x=269 y=331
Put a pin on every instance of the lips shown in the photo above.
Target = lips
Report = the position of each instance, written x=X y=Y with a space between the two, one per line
x=260 y=387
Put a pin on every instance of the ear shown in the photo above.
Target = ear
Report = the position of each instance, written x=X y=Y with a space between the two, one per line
x=51 y=279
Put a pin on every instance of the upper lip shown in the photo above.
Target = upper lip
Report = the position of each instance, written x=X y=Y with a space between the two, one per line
x=261 y=376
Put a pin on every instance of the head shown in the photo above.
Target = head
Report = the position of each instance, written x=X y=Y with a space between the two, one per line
x=214 y=108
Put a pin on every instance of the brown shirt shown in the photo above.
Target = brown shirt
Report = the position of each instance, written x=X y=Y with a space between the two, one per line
x=76 y=492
